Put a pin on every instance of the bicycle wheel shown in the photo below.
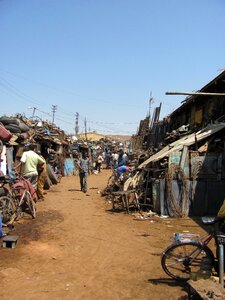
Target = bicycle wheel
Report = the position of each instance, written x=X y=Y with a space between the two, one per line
x=30 y=204
x=179 y=261
x=7 y=208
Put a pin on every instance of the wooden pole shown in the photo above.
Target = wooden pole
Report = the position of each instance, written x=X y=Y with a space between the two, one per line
x=195 y=93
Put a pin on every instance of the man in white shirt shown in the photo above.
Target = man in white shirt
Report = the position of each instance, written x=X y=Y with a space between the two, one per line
x=30 y=162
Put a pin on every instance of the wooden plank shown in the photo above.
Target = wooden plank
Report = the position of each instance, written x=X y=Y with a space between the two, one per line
x=195 y=94
x=184 y=161
x=124 y=192
x=207 y=289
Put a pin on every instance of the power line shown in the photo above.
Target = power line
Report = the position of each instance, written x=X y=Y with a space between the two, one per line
x=15 y=91
x=22 y=95
x=121 y=103
x=11 y=89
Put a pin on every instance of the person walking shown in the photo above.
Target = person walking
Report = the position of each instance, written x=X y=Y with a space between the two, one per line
x=84 y=170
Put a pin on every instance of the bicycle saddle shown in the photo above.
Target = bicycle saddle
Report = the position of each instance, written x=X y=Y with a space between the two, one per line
x=211 y=220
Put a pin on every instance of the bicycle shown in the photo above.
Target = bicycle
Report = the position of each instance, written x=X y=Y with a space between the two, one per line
x=182 y=259
x=17 y=200
x=23 y=199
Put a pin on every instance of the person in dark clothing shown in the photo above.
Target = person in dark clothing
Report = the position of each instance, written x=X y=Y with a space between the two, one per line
x=84 y=169
x=121 y=159
x=108 y=160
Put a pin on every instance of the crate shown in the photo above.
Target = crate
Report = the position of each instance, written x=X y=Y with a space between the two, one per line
x=186 y=237
x=10 y=241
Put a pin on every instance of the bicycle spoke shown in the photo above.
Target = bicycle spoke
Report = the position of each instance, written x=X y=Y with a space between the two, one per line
x=181 y=260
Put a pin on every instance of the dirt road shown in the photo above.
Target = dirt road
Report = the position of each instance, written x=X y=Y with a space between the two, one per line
x=78 y=249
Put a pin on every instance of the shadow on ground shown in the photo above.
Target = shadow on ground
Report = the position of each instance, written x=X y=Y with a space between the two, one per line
x=173 y=283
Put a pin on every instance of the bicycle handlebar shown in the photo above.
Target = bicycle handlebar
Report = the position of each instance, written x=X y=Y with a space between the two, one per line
x=4 y=179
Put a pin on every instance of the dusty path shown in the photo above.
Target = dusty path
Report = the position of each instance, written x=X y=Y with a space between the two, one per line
x=78 y=249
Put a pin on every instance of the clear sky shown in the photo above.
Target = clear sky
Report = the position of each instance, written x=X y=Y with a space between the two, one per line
x=102 y=58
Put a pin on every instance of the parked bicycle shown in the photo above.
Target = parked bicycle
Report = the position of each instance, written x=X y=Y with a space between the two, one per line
x=184 y=258
x=17 y=199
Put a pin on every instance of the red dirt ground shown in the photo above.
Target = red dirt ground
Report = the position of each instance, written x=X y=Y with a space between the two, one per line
x=77 y=248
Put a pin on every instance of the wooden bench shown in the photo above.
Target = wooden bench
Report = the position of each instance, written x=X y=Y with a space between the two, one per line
x=125 y=196
x=207 y=289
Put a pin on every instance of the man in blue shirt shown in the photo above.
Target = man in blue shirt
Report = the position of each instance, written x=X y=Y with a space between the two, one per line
x=84 y=169
x=122 y=169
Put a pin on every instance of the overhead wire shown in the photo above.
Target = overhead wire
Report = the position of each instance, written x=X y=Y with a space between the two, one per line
x=71 y=92
x=10 y=88
x=16 y=92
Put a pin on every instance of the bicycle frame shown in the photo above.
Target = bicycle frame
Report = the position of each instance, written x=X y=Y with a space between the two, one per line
x=204 y=243
x=16 y=192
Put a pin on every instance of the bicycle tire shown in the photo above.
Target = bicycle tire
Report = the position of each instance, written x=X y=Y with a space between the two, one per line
x=178 y=263
x=7 y=208
x=51 y=174
x=30 y=204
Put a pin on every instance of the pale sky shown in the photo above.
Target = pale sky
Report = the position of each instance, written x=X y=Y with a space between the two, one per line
x=103 y=58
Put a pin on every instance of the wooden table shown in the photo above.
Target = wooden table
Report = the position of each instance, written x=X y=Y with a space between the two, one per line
x=125 y=199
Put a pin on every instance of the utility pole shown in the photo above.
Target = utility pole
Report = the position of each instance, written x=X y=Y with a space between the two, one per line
x=85 y=128
x=34 y=109
x=54 y=108
x=77 y=123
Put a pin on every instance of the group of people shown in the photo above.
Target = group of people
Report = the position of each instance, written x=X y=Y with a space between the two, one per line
x=32 y=166
x=111 y=159
x=116 y=160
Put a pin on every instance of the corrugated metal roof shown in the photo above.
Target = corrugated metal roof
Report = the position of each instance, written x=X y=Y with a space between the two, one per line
x=184 y=141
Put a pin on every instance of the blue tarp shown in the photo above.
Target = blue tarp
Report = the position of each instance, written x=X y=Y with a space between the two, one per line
x=69 y=167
